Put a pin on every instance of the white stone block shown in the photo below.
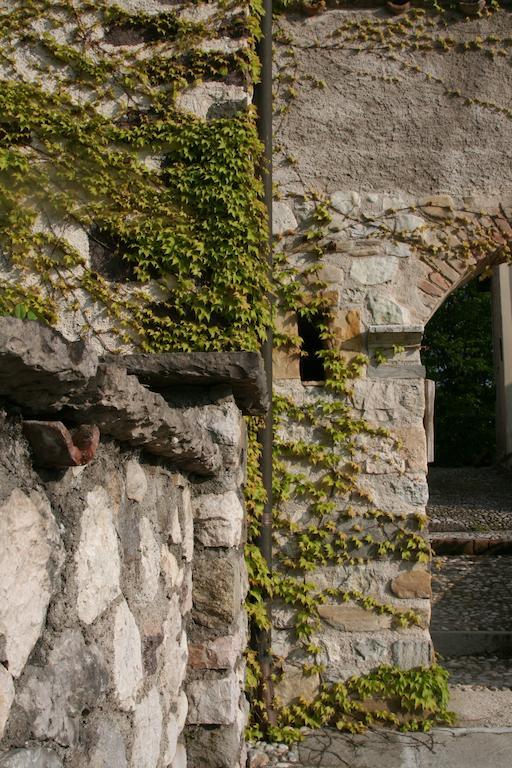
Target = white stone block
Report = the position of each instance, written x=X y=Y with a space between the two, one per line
x=128 y=673
x=136 y=481
x=147 y=724
x=97 y=558
x=213 y=702
x=150 y=560
x=30 y=551
x=219 y=519
x=6 y=697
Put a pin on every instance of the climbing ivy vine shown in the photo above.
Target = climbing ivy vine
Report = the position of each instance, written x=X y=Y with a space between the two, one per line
x=93 y=145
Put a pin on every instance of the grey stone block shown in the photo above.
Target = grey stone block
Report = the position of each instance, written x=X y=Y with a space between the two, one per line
x=30 y=758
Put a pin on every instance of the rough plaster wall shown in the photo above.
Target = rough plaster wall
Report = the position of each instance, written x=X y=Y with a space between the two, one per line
x=366 y=134
x=99 y=614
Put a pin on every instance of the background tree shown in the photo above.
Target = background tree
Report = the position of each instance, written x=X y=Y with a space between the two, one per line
x=458 y=356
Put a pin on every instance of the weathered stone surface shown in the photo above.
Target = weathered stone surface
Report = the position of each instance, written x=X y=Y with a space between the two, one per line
x=352 y=618
x=416 y=583
x=408 y=222
x=147 y=725
x=346 y=202
x=173 y=654
x=413 y=447
x=127 y=657
x=283 y=219
x=136 y=481
x=180 y=758
x=172 y=731
x=221 y=653
x=217 y=594
x=54 y=696
x=126 y=410
x=223 y=745
x=109 y=748
x=31 y=556
x=97 y=557
x=385 y=311
x=408 y=654
x=149 y=559
x=219 y=519
x=170 y=568
x=6 y=697
x=347 y=328
x=212 y=100
x=187 y=525
x=374 y=270
x=242 y=371
x=44 y=372
x=30 y=758
x=295 y=684
x=38 y=367
x=213 y=701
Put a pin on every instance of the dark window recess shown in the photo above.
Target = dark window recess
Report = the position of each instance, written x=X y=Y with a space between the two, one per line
x=311 y=365
x=105 y=251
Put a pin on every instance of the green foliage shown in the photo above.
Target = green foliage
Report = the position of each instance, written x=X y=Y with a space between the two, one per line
x=458 y=356
x=192 y=233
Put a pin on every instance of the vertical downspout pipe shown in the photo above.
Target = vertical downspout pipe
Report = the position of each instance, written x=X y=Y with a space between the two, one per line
x=263 y=102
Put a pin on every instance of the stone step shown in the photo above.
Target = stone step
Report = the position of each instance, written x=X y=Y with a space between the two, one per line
x=472 y=643
x=471 y=747
x=471 y=542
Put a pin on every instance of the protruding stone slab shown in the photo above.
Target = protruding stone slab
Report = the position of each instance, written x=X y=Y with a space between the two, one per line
x=39 y=366
x=242 y=371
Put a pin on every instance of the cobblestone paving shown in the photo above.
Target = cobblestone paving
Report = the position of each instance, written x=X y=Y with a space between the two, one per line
x=479 y=671
x=472 y=593
x=469 y=499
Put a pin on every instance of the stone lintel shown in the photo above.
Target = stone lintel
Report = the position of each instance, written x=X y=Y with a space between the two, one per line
x=385 y=336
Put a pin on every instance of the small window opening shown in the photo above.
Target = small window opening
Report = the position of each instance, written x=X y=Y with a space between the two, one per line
x=311 y=364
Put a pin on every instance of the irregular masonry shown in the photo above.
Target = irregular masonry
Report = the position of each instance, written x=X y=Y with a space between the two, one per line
x=391 y=198
x=121 y=581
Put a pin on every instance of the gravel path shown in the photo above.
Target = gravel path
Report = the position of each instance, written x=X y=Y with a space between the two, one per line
x=472 y=593
x=469 y=498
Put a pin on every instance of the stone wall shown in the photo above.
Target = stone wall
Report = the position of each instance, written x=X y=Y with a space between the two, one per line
x=393 y=142
x=121 y=579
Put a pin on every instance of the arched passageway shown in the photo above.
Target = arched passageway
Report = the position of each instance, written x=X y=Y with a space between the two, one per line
x=466 y=353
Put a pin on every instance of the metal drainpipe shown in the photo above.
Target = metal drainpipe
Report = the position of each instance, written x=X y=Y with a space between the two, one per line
x=263 y=102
